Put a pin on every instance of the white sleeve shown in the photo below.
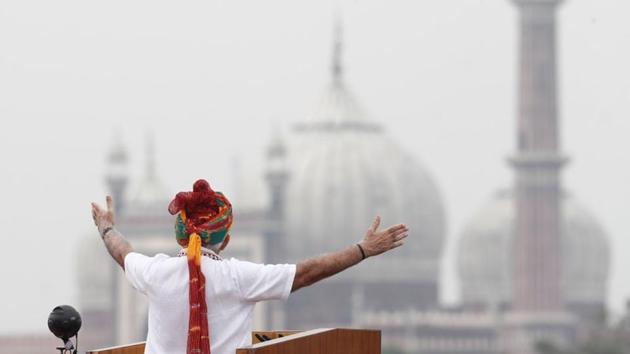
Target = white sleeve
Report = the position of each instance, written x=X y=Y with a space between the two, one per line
x=137 y=270
x=258 y=282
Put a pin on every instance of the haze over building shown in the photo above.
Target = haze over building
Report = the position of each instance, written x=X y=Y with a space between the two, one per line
x=326 y=180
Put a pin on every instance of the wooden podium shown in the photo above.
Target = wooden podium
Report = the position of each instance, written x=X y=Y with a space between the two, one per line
x=317 y=341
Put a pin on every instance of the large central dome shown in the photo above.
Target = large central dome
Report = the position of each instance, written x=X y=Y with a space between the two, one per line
x=343 y=171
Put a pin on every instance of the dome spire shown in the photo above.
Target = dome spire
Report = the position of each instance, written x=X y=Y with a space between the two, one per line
x=150 y=173
x=337 y=65
x=338 y=110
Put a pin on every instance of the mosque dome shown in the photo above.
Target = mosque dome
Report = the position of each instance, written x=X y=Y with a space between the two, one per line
x=484 y=255
x=145 y=216
x=149 y=195
x=343 y=171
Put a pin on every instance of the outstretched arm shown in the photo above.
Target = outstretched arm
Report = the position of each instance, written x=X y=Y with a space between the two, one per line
x=114 y=241
x=374 y=243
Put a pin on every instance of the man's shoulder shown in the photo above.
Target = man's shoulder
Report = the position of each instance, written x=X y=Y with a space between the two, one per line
x=232 y=266
x=229 y=263
x=234 y=261
x=160 y=258
x=238 y=263
x=242 y=266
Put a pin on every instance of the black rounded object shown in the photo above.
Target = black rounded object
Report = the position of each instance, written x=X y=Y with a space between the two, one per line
x=64 y=322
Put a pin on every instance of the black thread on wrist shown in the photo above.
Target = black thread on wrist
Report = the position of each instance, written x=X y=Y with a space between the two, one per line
x=362 y=252
x=106 y=230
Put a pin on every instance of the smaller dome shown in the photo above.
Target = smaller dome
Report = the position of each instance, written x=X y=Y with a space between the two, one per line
x=485 y=262
x=145 y=217
x=149 y=199
x=149 y=193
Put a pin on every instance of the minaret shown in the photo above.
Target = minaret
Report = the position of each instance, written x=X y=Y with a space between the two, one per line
x=276 y=176
x=537 y=299
x=537 y=244
x=117 y=180
x=117 y=173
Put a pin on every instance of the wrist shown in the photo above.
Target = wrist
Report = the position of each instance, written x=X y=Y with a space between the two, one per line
x=106 y=230
x=361 y=248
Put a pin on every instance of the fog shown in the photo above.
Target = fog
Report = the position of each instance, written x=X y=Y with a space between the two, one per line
x=212 y=82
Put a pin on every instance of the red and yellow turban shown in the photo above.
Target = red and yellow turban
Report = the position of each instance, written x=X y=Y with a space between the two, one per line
x=203 y=214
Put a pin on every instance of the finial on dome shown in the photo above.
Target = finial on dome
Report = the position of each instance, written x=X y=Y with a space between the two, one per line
x=150 y=155
x=337 y=65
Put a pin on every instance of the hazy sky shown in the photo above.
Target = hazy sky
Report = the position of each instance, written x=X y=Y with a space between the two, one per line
x=211 y=79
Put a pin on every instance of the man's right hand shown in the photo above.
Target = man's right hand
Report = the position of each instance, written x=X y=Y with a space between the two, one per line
x=116 y=244
x=376 y=242
x=103 y=219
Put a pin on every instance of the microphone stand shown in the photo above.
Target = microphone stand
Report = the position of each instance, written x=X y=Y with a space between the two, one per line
x=69 y=346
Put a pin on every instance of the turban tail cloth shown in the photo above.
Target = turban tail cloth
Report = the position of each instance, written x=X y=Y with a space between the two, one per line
x=202 y=215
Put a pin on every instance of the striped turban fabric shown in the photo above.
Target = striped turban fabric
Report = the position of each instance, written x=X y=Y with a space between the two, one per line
x=203 y=215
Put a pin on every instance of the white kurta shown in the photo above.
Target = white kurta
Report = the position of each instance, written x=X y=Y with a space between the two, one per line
x=232 y=289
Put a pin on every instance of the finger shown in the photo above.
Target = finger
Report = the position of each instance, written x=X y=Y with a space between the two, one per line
x=93 y=214
x=96 y=208
x=401 y=237
x=399 y=232
x=375 y=224
x=396 y=228
x=110 y=204
x=397 y=244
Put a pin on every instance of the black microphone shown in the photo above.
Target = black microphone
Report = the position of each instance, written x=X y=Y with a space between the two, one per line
x=64 y=322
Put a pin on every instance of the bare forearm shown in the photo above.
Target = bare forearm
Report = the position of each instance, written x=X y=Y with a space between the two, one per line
x=117 y=246
x=324 y=266
x=374 y=243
